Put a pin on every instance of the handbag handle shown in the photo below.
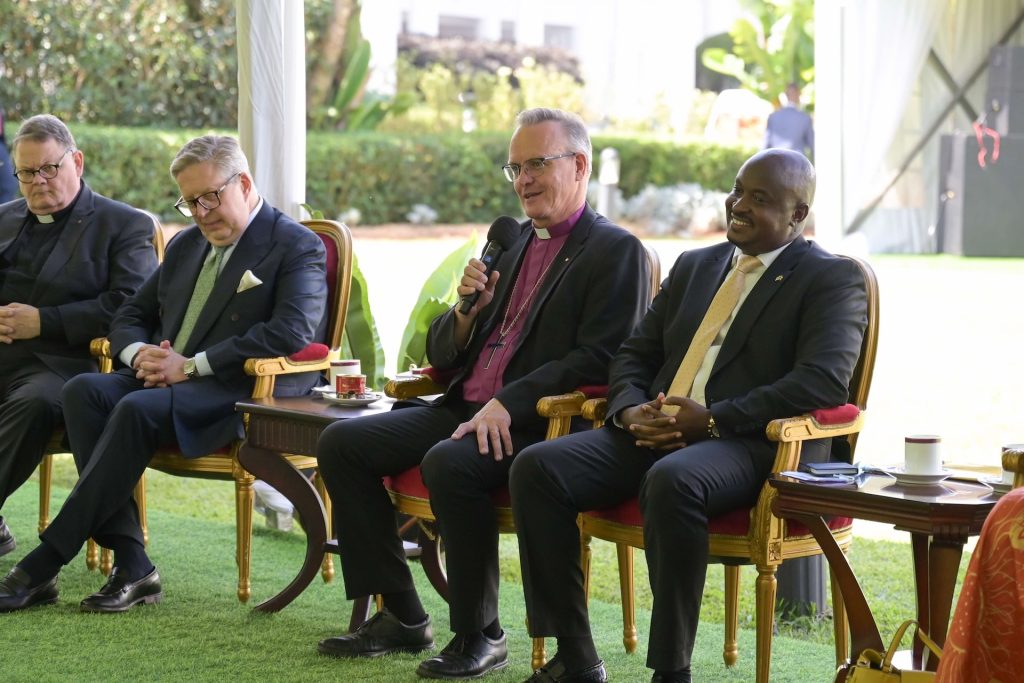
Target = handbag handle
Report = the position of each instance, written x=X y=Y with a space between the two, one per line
x=894 y=645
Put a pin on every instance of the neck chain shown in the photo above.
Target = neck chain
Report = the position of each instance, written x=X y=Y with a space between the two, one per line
x=502 y=330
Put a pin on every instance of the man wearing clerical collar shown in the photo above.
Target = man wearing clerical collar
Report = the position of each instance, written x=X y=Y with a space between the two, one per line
x=558 y=303
x=68 y=258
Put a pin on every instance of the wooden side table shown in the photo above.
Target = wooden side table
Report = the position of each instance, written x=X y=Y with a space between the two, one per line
x=939 y=517
x=293 y=425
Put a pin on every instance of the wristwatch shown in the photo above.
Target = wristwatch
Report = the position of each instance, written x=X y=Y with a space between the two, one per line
x=712 y=427
x=190 y=369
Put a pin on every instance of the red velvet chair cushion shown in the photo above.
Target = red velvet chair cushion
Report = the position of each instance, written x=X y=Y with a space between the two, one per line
x=735 y=523
x=332 y=268
x=410 y=483
x=314 y=352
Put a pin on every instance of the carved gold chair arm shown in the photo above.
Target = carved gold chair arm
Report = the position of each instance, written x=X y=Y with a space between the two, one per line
x=559 y=411
x=596 y=410
x=100 y=349
x=266 y=370
x=1013 y=461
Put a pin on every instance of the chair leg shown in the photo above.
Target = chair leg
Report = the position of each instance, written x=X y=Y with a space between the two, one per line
x=106 y=561
x=585 y=555
x=45 y=479
x=840 y=622
x=92 y=555
x=327 y=568
x=140 y=503
x=731 y=651
x=243 y=529
x=629 y=634
x=765 y=592
x=538 y=657
x=430 y=559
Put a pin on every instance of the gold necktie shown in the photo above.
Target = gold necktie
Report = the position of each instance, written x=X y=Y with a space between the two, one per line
x=718 y=312
x=204 y=285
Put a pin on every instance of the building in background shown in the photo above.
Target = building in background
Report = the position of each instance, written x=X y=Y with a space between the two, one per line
x=636 y=56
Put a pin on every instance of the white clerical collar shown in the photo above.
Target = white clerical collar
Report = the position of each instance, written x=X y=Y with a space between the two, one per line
x=541 y=233
x=44 y=218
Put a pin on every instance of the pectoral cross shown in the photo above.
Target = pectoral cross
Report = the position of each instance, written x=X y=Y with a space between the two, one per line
x=494 y=346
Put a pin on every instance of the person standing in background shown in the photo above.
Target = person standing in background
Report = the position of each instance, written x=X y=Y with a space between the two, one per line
x=791 y=127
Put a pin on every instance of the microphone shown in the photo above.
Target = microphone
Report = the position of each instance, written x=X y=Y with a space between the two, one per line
x=500 y=237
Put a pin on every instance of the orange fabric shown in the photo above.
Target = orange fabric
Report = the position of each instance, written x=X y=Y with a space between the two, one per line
x=986 y=640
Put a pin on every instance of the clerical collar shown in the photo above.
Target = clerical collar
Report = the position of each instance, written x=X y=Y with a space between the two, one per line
x=46 y=219
x=559 y=229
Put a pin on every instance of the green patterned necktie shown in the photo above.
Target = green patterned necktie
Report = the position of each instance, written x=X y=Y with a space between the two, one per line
x=204 y=285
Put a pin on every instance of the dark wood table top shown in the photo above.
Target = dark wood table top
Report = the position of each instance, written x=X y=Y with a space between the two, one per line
x=310 y=408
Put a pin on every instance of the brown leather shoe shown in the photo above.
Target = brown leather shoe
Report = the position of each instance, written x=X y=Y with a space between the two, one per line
x=119 y=594
x=16 y=593
x=7 y=543
x=555 y=672
x=379 y=635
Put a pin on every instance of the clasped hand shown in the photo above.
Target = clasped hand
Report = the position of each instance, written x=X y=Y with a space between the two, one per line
x=491 y=425
x=159 y=366
x=18 y=321
x=662 y=432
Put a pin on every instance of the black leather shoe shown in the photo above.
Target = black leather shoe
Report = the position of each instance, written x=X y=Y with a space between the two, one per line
x=7 y=543
x=16 y=594
x=119 y=594
x=467 y=656
x=671 y=677
x=381 y=634
x=554 y=672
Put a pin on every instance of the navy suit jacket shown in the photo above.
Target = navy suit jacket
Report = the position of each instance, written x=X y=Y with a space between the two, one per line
x=276 y=318
x=792 y=347
x=102 y=256
x=592 y=297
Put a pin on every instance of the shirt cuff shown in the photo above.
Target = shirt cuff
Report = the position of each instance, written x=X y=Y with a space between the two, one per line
x=127 y=354
x=203 y=365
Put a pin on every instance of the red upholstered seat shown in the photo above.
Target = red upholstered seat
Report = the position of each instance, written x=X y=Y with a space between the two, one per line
x=410 y=483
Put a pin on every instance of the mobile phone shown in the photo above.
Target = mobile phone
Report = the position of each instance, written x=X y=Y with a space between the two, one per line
x=826 y=468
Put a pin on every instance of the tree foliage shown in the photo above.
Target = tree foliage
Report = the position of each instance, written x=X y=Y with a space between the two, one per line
x=773 y=45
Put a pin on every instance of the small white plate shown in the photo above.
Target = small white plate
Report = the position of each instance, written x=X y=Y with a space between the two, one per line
x=364 y=400
x=322 y=389
x=908 y=479
x=996 y=484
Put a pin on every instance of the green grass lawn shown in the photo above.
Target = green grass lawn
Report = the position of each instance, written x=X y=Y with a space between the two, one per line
x=201 y=633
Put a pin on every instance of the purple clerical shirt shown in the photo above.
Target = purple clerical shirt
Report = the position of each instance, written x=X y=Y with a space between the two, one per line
x=485 y=379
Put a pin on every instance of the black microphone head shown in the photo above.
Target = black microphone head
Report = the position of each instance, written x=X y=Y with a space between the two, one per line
x=505 y=230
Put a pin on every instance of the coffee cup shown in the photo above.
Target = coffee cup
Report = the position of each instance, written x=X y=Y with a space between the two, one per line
x=922 y=454
x=350 y=386
x=343 y=367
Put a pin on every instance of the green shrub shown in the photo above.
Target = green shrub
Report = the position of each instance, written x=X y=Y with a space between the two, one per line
x=384 y=175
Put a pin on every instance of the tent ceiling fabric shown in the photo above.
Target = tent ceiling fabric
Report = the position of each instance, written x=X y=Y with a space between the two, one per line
x=879 y=93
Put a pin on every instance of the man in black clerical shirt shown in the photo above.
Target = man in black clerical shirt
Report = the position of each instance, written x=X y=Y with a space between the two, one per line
x=68 y=258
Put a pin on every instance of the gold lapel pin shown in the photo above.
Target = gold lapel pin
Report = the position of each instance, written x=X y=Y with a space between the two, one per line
x=778 y=278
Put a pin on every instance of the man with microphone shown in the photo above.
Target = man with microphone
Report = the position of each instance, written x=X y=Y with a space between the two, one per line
x=563 y=293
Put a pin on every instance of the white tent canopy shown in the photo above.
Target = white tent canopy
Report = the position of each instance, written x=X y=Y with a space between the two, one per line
x=887 y=75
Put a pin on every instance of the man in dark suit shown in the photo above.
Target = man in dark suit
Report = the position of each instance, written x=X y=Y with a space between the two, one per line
x=548 y=319
x=689 y=400
x=246 y=281
x=68 y=258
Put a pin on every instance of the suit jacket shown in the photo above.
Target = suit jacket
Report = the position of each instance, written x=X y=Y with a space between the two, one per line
x=792 y=347
x=102 y=256
x=592 y=297
x=277 y=318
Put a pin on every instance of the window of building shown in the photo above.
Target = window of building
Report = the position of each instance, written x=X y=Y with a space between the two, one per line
x=558 y=36
x=458 y=27
x=508 y=32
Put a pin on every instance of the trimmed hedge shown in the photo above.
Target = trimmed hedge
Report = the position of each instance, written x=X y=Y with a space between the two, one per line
x=384 y=175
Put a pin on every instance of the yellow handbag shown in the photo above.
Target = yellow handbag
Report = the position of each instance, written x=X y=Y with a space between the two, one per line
x=877 y=667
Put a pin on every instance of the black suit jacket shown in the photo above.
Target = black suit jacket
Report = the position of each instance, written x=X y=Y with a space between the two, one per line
x=276 y=318
x=101 y=257
x=792 y=347
x=592 y=297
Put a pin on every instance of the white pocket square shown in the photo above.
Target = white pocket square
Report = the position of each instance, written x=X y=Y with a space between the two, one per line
x=248 y=281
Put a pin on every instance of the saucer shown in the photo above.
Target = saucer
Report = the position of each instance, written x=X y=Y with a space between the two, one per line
x=996 y=484
x=908 y=479
x=361 y=400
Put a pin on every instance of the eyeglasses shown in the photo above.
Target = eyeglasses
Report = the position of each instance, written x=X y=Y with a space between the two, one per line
x=533 y=167
x=207 y=200
x=47 y=171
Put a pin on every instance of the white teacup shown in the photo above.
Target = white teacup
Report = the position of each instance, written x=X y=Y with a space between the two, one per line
x=344 y=367
x=922 y=454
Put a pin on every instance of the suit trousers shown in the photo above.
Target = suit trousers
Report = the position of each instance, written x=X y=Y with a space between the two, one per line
x=29 y=412
x=679 y=491
x=353 y=457
x=114 y=426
